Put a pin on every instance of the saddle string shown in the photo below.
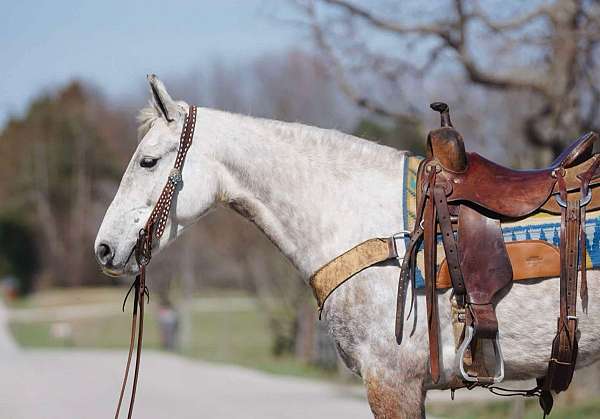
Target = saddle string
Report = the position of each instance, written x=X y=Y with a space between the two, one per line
x=544 y=397
x=412 y=262
x=408 y=268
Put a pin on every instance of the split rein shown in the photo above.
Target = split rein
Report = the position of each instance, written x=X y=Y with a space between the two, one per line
x=154 y=229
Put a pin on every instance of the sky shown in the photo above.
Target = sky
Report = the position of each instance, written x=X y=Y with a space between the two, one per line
x=113 y=44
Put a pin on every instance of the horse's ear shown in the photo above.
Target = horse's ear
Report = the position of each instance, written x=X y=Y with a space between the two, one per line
x=161 y=99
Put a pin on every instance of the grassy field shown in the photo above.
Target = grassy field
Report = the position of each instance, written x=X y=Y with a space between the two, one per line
x=226 y=334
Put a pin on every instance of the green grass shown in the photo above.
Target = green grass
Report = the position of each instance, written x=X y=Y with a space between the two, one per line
x=58 y=297
x=589 y=409
x=232 y=337
x=105 y=332
x=242 y=338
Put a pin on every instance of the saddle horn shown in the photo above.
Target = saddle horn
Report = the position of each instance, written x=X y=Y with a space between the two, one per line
x=445 y=144
x=444 y=111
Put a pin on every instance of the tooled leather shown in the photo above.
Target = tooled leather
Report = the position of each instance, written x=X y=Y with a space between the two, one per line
x=483 y=257
x=430 y=249
x=580 y=150
x=503 y=191
x=447 y=145
x=450 y=246
x=564 y=347
x=342 y=268
x=573 y=183
x=529 y=259
x=486 y=267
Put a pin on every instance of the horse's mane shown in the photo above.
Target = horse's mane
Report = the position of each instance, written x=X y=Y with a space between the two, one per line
x=148 y=115
x=319 y=142
x=337 y=147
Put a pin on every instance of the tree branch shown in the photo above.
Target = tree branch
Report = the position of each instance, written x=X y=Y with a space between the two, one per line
x=476 y=75
x=474 y=72
x=515 y=23
x=538 y=139
x=346 y=87
x=388 y=25
x=455 y=42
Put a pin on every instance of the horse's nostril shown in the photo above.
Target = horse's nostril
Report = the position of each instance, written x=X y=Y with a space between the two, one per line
x=104 y=253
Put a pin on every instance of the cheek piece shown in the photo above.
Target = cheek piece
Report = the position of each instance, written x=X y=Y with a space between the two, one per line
x=153 y=229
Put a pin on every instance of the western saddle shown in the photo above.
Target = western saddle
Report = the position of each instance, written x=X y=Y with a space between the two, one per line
x=463 y=198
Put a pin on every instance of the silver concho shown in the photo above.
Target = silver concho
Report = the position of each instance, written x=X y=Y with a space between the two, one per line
x=175 y=176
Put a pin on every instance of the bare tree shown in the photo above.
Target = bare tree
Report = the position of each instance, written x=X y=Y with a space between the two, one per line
x=547 y=51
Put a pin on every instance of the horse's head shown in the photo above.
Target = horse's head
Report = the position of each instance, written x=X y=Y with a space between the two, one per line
x=144 y=180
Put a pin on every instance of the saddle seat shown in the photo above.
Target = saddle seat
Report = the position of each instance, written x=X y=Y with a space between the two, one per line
x=447 y=146
x=501 y=190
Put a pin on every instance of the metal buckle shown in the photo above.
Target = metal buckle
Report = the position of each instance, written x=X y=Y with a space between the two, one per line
x=142 y=253
x=560 y=170
x=586 y=200
x=574 y=318
x=499 y=369
x=399 y=235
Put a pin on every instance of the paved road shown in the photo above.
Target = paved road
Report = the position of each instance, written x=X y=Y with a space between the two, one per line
x=65 y=384
x=84 y=384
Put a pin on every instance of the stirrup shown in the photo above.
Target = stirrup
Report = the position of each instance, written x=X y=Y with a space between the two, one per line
x=499 y=370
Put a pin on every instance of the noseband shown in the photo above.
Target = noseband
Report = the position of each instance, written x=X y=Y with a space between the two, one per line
x=153 y=229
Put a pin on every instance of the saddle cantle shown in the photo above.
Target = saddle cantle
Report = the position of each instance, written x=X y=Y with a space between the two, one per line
x=464 y=197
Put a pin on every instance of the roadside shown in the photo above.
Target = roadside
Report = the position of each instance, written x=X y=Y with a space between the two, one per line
x=8 y=345
x=220 y=327
x=72 y=383
x=48 y=384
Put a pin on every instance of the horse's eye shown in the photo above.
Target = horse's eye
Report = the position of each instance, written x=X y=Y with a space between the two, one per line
x=148 y=162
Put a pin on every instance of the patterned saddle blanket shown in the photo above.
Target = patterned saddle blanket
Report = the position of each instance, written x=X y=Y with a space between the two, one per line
x=541 y=226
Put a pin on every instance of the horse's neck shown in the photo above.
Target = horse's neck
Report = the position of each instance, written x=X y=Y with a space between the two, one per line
x=314 y=192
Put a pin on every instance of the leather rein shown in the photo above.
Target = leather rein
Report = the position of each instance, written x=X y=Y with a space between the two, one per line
x=153 y=229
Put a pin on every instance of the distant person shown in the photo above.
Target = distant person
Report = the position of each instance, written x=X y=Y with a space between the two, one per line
x=168 y=323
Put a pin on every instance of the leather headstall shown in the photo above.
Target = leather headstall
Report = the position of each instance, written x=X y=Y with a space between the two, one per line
x=152 y=230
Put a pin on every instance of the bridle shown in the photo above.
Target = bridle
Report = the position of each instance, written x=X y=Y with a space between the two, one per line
x=154 y=228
